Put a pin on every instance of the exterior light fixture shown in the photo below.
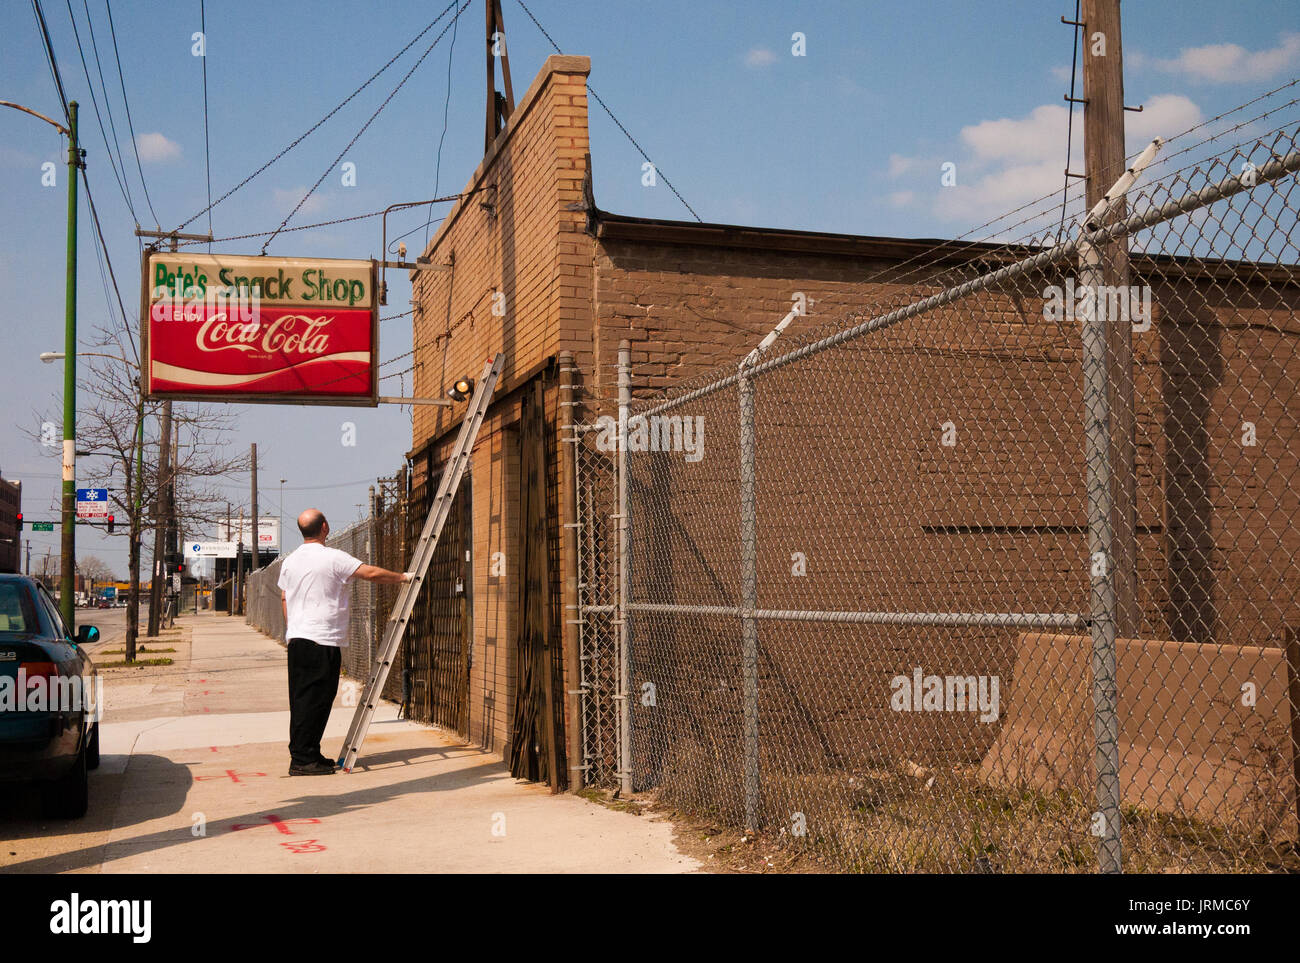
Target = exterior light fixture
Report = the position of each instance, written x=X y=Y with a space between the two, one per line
x=461 y=390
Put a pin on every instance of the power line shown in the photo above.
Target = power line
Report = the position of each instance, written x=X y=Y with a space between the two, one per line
x=130 y=127
x=99 y=233
x=207 y=149
x=337 y=220
x=364 y=127
x=85 y=69
x=49 y=57
x=446 y=106
x=618 y=123
x=108 y=109
x=314 y=127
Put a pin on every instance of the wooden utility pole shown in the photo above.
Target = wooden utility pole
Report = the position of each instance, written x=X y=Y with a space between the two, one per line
x=499 y=108
x=229 y=569
x=238 y=608
x=257 y=533
x=1103 y=138
x=161 y=485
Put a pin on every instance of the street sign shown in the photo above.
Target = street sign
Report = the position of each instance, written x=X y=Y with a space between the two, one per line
x=210 y=549
x=42 y=526
x=92 y=502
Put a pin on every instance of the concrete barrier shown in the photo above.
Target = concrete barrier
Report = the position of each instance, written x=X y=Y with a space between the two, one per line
x=1205 y=730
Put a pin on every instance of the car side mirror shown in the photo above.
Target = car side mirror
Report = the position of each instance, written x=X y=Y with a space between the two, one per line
x=87 y=634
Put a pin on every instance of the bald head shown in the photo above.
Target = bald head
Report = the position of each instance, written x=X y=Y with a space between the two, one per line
x=312 y=524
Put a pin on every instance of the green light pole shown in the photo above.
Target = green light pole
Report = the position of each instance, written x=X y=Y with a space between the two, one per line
x=68 y=566
x=67 y=590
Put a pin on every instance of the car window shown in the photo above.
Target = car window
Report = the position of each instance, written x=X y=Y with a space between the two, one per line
x=52 y=611
x=17 y=609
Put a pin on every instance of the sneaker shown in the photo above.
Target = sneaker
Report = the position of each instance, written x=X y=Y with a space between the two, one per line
x=317 y=768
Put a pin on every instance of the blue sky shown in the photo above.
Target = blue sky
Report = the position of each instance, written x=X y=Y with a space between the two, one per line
x=848 y=138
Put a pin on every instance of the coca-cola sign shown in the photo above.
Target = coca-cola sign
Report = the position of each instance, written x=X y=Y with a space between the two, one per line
x=261 y=329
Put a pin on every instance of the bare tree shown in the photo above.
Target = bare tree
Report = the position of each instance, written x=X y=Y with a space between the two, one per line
x=117 y=430
x=95 y=568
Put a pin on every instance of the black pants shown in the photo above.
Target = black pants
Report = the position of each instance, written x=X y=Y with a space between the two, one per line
x=313 y=683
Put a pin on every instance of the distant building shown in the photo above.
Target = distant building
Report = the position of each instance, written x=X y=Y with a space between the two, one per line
x=11 y=541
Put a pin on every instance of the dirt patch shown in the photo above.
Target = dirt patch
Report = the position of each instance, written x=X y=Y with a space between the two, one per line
x=718 y=848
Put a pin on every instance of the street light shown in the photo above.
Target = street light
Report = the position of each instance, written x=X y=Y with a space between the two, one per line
x=282 y=481
x=67 y=580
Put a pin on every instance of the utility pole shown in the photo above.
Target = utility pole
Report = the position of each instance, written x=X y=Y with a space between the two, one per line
x=230 y=581
x=499 y=108
x=1103 y=137
x=67 y=601
x=67 y=591
x=174 y=535
x=27 y=569
x=257 y=534
x=238 y=608
x=160 y=517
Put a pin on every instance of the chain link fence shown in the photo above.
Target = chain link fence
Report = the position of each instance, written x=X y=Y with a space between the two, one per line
x=597 y=628
x=998 y=574
x=377 y=540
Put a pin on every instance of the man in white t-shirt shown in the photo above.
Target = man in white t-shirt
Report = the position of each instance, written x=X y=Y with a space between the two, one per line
x=314 y=593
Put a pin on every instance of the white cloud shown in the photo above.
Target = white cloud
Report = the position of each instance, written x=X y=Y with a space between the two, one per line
x=156 y=148
x=1038 y=136
x=760 y=57
x=1163 y=115
x=900 y=165
x=1232 y=63
x=1004 y=163
x=998 y=192
x=1061 y=73
x=286 y=198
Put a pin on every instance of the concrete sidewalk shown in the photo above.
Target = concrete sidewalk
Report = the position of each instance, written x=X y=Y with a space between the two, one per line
x=194 y=780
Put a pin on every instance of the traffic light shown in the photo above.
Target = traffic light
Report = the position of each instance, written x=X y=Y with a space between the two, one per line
x=20 y=521
x=110 y=524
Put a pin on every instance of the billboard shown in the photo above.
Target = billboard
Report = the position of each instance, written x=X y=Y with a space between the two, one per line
x=268 y=533
x=220 y=327
x=195 y=550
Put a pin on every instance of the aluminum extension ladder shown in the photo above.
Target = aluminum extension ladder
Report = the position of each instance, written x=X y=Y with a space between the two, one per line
x=433 y=525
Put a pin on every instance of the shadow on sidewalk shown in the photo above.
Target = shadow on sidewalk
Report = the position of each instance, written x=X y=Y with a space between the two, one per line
x=165 y=784
x=303 y=807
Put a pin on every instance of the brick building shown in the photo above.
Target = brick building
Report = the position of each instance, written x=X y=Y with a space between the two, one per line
x=533 y=268
x=11 y=539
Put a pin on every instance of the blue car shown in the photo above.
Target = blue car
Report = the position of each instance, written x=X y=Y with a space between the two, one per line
x=49 y=700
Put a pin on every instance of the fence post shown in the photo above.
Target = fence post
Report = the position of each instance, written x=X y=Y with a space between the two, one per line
x=571 y=634
x=624 y=696
x=376 y=557
x=749 y=597
x=1097 y=419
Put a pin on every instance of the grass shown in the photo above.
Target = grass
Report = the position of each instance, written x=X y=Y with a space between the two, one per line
x=137 y=664
x=138 y=648
x=887 y=820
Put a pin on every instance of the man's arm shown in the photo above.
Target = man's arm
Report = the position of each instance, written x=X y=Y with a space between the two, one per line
x=284 y=607
x=381 y=576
